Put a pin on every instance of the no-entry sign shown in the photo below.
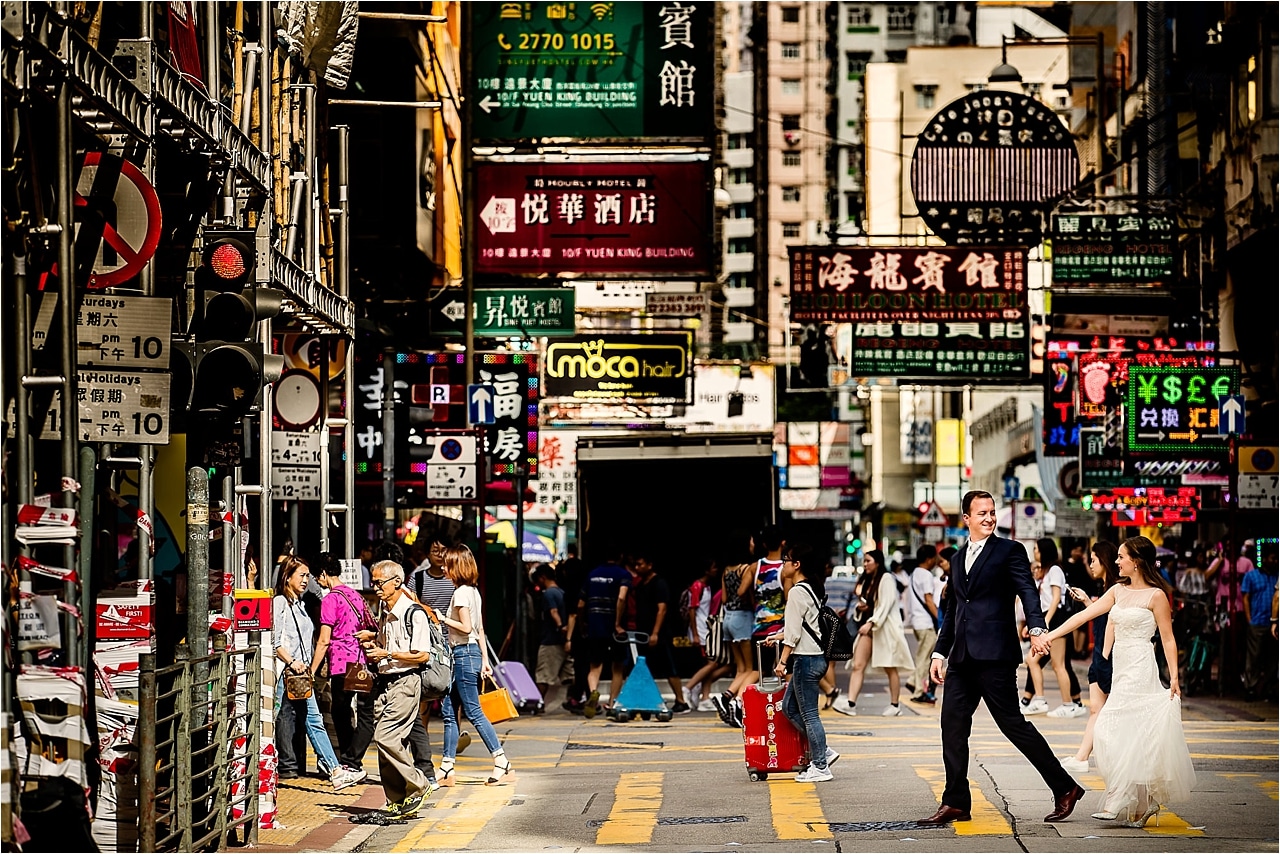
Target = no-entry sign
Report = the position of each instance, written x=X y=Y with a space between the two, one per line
x=118 y=204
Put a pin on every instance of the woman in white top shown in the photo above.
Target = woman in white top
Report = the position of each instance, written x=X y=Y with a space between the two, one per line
x=803 y=571
x=1053 y=592
x=882 y=631
x=470 y=665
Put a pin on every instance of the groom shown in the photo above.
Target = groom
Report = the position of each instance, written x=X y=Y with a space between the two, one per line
x=978 y=654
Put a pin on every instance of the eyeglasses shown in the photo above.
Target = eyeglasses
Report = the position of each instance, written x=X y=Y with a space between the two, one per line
x=789 y=560
x=378 y=582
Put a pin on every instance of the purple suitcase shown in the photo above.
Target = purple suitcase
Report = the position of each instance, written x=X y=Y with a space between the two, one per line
x=515 y=677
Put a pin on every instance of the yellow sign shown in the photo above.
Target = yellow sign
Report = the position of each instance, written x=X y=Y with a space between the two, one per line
x=1256 y=460
x=949 y=442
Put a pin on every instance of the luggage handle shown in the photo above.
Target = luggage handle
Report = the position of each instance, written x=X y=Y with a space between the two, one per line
x=768 y=683
x=634 y=640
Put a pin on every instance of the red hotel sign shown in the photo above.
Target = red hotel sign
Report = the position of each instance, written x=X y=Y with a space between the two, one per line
x=593 y=218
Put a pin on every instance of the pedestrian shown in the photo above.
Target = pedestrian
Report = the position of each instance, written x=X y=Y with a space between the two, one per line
x=1142 y=751
x=554 y=665
x=292 y=637
x=705 y=601
x=465 y=620
x=922 y=616
x=431 y=587
x=801 y=653
x=977 y=657
x=1260 y=653
x=342 y=615
x=1224 y=575
x=764 y=583
x=602 y=606
x=1076 y=570
x=1103 y=576
x=1055 y=604
x=570 y=575
x=736 y=629
x=653 y=603
x=400 y=647
x=881 y=635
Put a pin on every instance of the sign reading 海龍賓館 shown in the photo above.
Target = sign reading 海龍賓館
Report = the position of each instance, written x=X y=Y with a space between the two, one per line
x=621 y=368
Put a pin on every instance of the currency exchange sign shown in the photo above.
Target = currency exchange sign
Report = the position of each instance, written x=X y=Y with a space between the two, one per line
x=606 y=217
x=920 y=311
x=620 y=70
x=1174 y=410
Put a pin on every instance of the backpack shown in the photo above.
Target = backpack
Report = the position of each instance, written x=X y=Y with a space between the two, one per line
x=686 y=600
x=832 y=635
x=437 y=672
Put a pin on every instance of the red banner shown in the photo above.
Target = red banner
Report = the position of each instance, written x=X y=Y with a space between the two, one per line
x=593 y=218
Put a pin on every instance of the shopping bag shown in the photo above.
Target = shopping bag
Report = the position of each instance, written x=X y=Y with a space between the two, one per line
x=496 y=703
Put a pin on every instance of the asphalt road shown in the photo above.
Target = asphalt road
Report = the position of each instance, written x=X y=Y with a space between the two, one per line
x=682 y=786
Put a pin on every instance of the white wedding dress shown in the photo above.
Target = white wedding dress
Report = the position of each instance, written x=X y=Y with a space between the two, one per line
x=1142 y=752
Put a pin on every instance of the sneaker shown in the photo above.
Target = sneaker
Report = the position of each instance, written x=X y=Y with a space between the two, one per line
x=433 y=785
x=707 y=706
x=814 y=774
x=736 y=713
x=681 y=709
x=1068 y=710
x=892 y=710
x=573 y=706
x=1074 y=766
x=926 y=699
x=464 y=741
x=832 y=756
x=721 y=702
x=343 y=779
x=410 y=805
x=593 y=705
x=846 y=708
x=1038 y=706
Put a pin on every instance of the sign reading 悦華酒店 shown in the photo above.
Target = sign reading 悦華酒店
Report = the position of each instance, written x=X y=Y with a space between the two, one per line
x=619 y=70
x=621 y=368
x=612 y=217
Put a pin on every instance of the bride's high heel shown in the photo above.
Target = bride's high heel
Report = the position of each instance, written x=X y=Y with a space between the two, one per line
x=1152 y=812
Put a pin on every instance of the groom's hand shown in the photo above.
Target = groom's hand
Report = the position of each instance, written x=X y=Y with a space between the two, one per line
x=938 y=670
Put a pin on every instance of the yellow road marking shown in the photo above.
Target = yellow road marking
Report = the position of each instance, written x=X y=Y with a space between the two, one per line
x=636 y=801
x=797 y=812
x=1271 y=788
x=1171 y=824
x=456 y=821
x=987 y=820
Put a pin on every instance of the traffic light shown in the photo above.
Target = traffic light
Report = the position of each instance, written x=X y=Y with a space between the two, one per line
x=230 y=365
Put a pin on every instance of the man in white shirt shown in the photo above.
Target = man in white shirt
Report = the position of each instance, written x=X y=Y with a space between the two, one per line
x=922 y=618
x=398 y=650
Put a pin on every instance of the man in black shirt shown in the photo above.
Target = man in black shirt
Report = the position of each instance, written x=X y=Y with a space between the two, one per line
x=653 y=601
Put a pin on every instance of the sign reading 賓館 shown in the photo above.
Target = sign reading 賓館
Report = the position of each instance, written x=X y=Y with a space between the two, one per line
x=620 y=368
x=619 y=70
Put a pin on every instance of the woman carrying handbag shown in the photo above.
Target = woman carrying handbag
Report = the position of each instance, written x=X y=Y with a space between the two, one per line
x=343 y=613
x=291 y=637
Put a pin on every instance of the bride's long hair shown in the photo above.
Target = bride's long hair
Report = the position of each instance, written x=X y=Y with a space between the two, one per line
x=1143 y=553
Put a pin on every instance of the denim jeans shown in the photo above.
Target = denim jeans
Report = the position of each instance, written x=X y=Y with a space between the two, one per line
x=465 y=695
x=800 y=703
x=314 y=724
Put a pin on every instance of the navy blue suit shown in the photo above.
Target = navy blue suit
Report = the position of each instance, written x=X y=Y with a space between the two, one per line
x=979 y=638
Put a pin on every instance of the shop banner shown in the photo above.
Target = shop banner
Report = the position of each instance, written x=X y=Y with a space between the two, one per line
x=994 y=350
x=614 y=217
x=1173 y=411
x=621 y=368
x=1105 y=249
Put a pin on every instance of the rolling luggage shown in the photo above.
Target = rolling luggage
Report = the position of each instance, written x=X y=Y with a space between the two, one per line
x=772 y=745
x=515 y=677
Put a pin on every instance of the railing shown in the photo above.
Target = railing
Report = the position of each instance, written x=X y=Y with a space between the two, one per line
x=198 y=730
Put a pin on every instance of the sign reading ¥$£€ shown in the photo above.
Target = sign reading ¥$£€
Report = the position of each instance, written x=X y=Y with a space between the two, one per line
x=252 y=610
x=123 y=406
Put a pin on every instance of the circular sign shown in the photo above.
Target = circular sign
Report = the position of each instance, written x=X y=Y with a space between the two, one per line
x=125 y=211
x=451 y=449
x=1069 y=479
x=1263 y=459
x=988 y=166
x=302 y=351
x=297 y=399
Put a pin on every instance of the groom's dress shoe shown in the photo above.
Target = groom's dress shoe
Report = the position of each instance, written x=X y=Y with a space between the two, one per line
x=945 y=815
x=1063 y=806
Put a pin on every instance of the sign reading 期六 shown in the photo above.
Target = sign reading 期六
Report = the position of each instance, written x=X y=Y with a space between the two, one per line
x=124 y=332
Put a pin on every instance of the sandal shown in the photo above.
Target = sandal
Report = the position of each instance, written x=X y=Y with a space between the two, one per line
x=446 y=778
x=831 y=698
x=501 y=773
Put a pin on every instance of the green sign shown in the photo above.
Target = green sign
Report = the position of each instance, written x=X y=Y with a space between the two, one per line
x=1174 y=410
x=593 y=70
x=509 y=313
x=1102 y=249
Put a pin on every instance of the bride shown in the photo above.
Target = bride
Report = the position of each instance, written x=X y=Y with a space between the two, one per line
x=1142 y=752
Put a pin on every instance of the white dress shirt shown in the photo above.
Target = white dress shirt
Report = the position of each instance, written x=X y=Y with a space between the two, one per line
x=972 y=552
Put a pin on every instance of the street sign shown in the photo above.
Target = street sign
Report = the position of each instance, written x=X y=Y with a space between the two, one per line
x=933 y=517
x=124 y=332
x=452 y=465
x=1104 y=249
x=1259 y=491
x=295 y=448
x=677 y=305
x=1012 y=488
x=295 y=483
x=617 y=70
x=114 y=200
x=1231 y=414
x=510 y=313
x=296 y=399
x=480 y=404
x=1257 y=460
x=1174 y=410
x=124 y=406
x=1027 y=520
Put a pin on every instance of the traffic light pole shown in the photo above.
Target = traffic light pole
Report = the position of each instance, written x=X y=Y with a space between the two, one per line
x=67 y=329
x=388 y=446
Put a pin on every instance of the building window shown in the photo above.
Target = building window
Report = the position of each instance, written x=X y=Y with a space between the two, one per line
x=895 y=56
x=739 y=175
x=901 y=18
x=975 y=85
x=739 y=280
x=858 y=17
x=791 y=230
x=791 y=87
x=856 y=63
x=740 y=210
x=737 y=141
x=791 y=194
x=790 y=121
x=853 y=207
x=791 y=50
x=790 y=14
x=925 y=96
x=741 y=245
x=790 y=158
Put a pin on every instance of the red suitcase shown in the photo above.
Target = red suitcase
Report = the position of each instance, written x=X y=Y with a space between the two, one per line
x=772 y=745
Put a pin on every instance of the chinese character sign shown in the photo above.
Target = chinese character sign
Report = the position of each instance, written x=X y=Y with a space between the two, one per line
x=987 y=349
x=839 y=284
x=1100 y=249
x=593 y=70
x=593 y=218
x=1174 y=410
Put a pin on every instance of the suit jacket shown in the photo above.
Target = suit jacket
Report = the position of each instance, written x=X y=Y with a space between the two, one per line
x=980 y=623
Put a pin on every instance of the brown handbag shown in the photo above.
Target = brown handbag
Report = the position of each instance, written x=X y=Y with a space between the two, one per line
x=359 y=678
x=298 y=686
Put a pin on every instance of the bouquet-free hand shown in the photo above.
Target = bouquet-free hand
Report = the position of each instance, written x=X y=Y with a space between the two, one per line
x=1040 y=645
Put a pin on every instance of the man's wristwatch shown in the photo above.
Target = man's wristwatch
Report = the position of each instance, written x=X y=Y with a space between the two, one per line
x=1035 y=633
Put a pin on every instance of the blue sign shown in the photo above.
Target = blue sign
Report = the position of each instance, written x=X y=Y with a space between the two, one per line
x=1231 y=414
x=1012 y=486
x=480 y=404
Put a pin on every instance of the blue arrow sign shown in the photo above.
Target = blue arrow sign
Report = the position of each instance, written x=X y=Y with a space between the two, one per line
x=1231 y=414
x=480 y=404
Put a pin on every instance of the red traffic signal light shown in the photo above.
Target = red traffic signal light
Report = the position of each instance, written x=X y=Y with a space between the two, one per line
x=229 y=258
x=923 y=507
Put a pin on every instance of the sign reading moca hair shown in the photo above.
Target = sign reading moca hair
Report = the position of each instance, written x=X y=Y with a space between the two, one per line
x=623 y=368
